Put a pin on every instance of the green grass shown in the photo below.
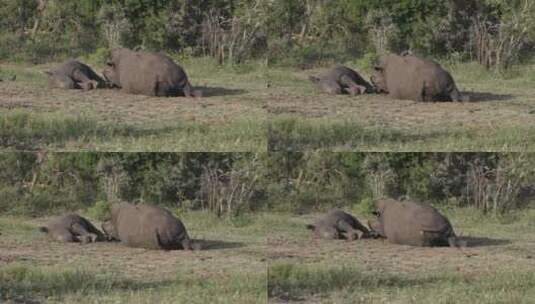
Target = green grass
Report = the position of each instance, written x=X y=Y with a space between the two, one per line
x=495 y=268
x=251 y=107
x=82 y=285
x=230 y=116
x=500 y=118
x=23 y=130
x=288 y=133
x=349 y=284
x=231 y=268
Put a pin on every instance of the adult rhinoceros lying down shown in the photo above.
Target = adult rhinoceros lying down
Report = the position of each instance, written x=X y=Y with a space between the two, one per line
x=147 y=73
x=338 y=224
x=72 y=228
x=411 y=223
x=147 y=226
x=414 y=78
x=73 y=74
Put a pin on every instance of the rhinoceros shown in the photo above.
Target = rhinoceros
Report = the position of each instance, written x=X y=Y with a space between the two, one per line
x=337 y=224
x=73 y=74
x=413 y=78
x=147 y=73
x=342 y=80
x=146 y=226
x=72 y=228
x=412 y=223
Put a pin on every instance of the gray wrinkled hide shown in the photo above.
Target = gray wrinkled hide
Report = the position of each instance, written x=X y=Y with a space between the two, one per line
x=146 y=226
x=411 y=223
x=72 y=228
x=73 y=74
x=147 y=73
x=342 y=80
x=410 y=77
x=338 y=224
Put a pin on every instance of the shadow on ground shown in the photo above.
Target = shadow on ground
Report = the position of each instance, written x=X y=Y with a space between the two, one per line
x=472 y=241
x=486 y=96
x=219 y=91
x=214 y=244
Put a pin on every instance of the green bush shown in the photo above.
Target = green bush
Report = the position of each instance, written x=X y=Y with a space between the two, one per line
x=99 y=56
x=99 y=211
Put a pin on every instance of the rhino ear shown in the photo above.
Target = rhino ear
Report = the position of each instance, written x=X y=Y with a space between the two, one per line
x=378 y=68
x=49 y=73
x=110 y=64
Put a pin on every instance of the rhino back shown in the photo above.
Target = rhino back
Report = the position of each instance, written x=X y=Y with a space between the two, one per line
x=130 y=229
x=407 y=76
x=354 y=75
x=169 y=229
x=143 y=72
x=149 y=227
x=398 y=225
x=406 y=223
x=401 y=78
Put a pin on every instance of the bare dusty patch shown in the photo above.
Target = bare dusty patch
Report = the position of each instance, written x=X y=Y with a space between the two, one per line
x=229 y=255
x=485 y=253
x=115 y=106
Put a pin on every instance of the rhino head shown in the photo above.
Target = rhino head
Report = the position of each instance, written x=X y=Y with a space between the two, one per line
x=111 y=76
x=110 y=233
x=379 y=81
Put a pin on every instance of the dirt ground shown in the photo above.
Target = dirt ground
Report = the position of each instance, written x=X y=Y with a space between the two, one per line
x=135 y=263
x=230 y=116
x=492 y=248
x=230 y=268
x=500 y=113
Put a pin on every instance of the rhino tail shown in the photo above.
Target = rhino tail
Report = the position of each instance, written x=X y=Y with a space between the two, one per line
x=190 y=244
x=311 y=227
x=43 y=229
x=190 y=92
x=456 y=96
x=456 y=242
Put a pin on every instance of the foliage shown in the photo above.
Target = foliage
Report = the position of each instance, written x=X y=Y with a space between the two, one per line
x=47 y=29
x=234 y=184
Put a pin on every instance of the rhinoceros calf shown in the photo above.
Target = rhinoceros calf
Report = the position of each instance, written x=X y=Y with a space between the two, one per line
x=73 y=74
x=146 y=226
x=342 y=80
x=147 y=73
x=411 y=223
x=413 y=78
x=72 y=228
x=338 y=224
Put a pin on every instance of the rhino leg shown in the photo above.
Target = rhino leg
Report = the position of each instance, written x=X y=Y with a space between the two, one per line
x=190 y=92
x=376 y=229
x=330 y=87
x=62 y=82
x=349 y=231
x=355 y=90
x=435 y=238
x=84 y=82
x=456 y=96
x=82 y=234
x=65 y=236
x=351 y=87
x=186 y=244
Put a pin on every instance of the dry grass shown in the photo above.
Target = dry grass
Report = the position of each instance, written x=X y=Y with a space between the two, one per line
x=230 y=116
x=499 y=118
x=501 y=254
x=230 y=269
